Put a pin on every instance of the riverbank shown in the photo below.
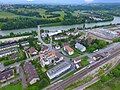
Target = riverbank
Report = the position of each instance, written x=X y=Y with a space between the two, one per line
x=61 y=27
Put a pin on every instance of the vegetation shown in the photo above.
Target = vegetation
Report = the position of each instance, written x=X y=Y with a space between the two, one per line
x=27 y=16
x=12 y=87
x=110 y=81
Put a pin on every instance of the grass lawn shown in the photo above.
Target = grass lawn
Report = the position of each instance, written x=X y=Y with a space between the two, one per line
x=7 y=15
x=17 y=86
x=76 y=53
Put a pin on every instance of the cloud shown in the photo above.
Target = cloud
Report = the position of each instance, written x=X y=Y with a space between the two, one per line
x=88 y=1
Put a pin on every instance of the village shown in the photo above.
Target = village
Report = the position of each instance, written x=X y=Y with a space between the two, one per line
x=50 y=56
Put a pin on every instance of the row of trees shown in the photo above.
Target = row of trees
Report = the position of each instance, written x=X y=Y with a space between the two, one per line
x=18 y=23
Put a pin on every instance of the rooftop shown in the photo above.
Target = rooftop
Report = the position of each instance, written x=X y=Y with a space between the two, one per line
x=69 y=48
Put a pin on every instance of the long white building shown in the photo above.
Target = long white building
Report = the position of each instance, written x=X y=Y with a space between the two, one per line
x=59 y=69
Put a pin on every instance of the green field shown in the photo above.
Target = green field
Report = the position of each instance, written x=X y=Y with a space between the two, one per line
x=12 y=87
x=7 y=15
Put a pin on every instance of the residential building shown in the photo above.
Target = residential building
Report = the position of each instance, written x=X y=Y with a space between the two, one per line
x=24 y=43
x=44 y=49
x=6 y=75
x=69 y=50
x=54 y=33
x=80 y=47
x=31 y=73
x=60 y=37
x=8 y=52
x=14 y=57
x=59 y=69
x=77 y=60
x=51 y=57
x=9 y=46
x=32 y=51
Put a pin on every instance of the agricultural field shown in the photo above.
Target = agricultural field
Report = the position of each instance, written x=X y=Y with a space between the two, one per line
x=7 y=15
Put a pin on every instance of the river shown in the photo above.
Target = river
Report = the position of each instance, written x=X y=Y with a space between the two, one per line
x=65 y=27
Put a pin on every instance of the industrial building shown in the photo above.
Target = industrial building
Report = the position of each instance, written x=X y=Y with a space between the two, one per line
x=59 y=69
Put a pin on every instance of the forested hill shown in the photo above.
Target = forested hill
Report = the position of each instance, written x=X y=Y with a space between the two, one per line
x=27 y=16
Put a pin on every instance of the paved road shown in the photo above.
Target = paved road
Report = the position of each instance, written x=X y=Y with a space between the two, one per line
x=40 y=39
x=63 y=84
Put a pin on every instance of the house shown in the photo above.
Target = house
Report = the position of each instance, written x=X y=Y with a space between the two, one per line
x=59 y=69
x=97 y=57
x=31 y=73
x=6 y=75
x=77 y=60
x=24 y=43
x=49 y=58
x=14 y=57
x=80 y=47
x=32 y=51
x=8 y=52
x=44 y=49
x=69 y=50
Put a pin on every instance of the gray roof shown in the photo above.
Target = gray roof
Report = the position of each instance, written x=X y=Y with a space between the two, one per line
x=9 y=51
x=30 y=71
x=58 y=68
x=80 y=46
x=8 y=45
x=6 y=74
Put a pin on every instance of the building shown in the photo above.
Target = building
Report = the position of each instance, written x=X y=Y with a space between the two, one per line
x=80 y=47
x=31 y=73
x=69 y=50
x=54 y=33
x=97 y=57
x=6 y=75
x=24 y=43
x=49 y=58
x=32 y=51
x=44 y=49
x=8 y=52
x=59 y=69
x=60 y=37
x=77 y=60
x=8 y=46
x=14 y=57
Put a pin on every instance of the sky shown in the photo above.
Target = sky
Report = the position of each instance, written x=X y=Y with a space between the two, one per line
x=59 y=1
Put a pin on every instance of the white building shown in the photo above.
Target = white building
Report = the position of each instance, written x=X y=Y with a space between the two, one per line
x=51 y=57
x=80 y=47
x=69 y=50
x=54 y=33
x=57 y=70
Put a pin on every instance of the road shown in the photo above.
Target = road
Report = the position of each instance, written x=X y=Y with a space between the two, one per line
x=40 y=39
x=68 y=81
